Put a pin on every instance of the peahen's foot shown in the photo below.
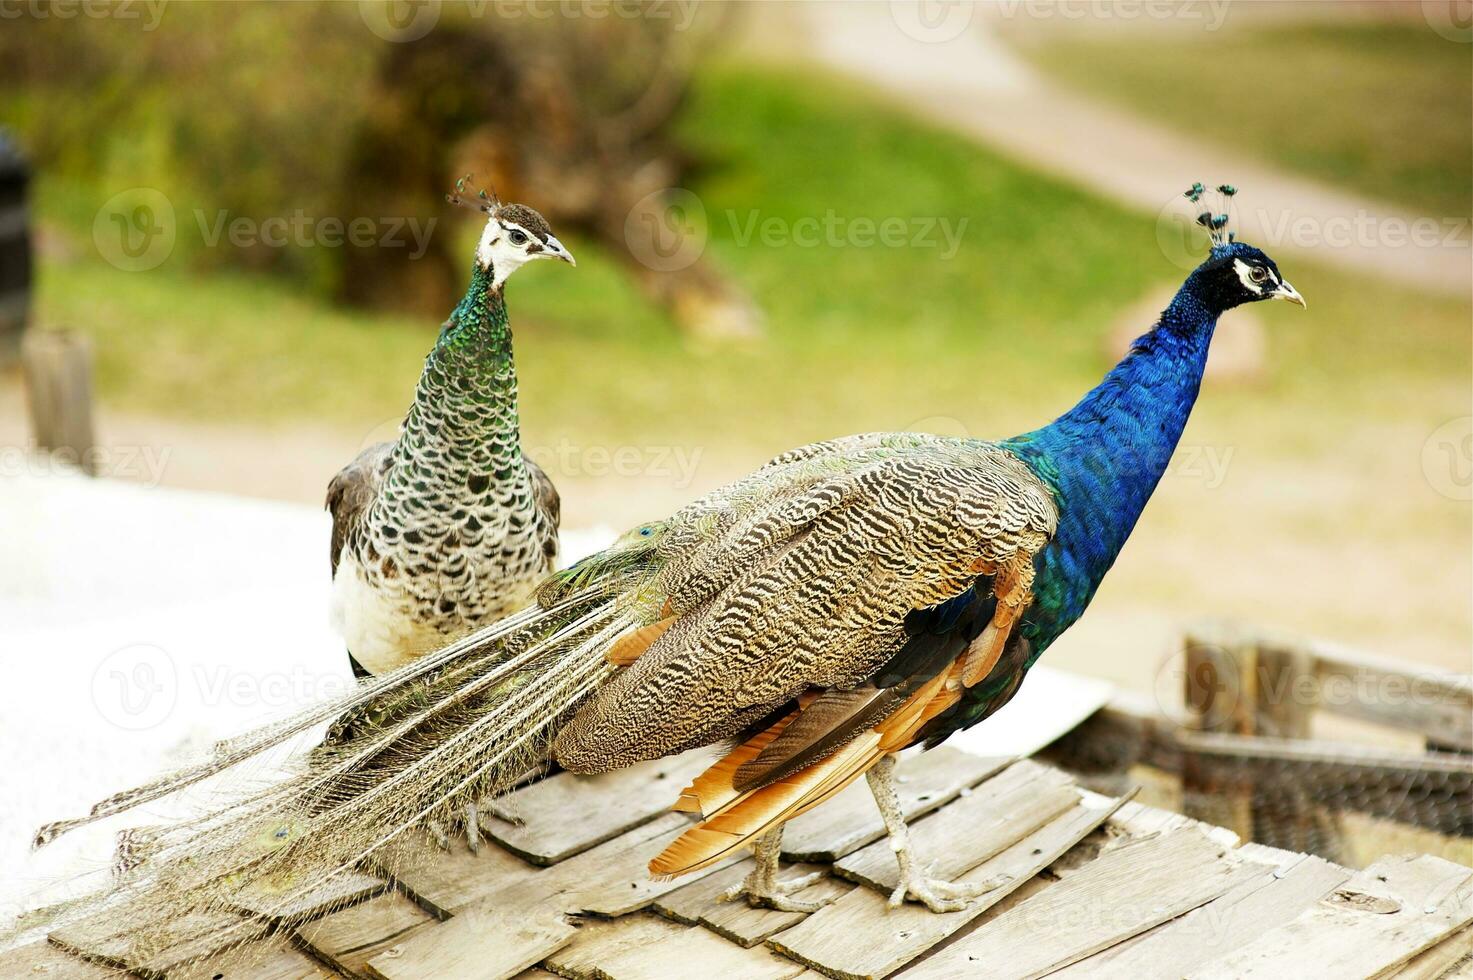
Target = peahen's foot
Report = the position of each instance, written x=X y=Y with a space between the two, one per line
x=762 y=888
x=469 y=823
x=938 y=894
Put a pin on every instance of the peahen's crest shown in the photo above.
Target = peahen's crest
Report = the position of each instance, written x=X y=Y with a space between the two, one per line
x=1217 y=212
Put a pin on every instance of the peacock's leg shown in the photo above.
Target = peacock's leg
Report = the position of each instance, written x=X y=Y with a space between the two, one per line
x=763 y=889
x=473 y=827
x=937 y=894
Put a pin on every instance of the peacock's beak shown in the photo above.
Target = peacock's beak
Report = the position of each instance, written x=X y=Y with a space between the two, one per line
x=1288 y=292
x=556 y=248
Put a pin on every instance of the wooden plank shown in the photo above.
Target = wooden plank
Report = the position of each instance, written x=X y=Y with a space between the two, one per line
x=43 y=961
x=1378 y=920
x=1138 y=820
x=957 y=838
x=444 y=882
x=1127 y=891
x=1272 y=895
x=556 y=818
x=699 y=903
x=273 y=959
x=924 y=782
x=644 y=947
x=485 y=943
x=339 y=893
x=1434 y=703
x=191 y=938
x=860 y=937
x=1450 y=959
x=350 y=938
x=57 y=365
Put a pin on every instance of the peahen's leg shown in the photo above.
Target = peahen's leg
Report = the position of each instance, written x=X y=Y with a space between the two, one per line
x=762 y=888
x=936 y=894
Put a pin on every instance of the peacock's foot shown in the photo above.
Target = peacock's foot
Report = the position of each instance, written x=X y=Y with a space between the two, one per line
x=940 y=895
x=763 y=889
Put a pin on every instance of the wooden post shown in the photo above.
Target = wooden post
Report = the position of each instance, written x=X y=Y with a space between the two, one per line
x=1221 y=696
x=58 y=373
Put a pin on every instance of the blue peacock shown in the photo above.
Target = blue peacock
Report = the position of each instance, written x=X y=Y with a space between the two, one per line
x=841 y=603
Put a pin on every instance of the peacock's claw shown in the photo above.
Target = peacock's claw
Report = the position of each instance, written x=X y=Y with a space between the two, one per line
x=940 y=895
x=438 y=834
x=765 y=890
x=762 y=888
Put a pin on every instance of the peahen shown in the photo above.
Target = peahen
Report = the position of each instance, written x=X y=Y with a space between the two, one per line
x=450 y=527
x=846 y=600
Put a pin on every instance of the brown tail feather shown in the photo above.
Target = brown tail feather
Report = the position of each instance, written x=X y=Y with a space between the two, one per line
x=734 y=819
x=631 y=646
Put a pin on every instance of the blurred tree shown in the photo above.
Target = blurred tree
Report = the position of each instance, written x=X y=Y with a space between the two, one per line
x=261 y=111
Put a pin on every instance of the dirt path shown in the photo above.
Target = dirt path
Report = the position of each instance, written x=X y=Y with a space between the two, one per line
x=944 y=62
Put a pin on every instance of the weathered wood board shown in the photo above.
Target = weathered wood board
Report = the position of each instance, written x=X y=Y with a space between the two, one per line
x=1376 y=921
x=488 y=944
x=860 y=937
x=350 y=938
x=1128 y=890
x=551 y=820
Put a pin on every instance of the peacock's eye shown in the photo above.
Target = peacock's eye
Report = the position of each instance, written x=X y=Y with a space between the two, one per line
x=518 y=237
x=1258 y=273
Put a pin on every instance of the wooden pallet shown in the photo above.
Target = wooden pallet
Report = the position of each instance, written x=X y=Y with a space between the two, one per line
x=1091 y=886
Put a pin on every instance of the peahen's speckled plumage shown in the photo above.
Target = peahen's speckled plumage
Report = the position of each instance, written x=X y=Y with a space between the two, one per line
x=844 y=601
x=450 y=527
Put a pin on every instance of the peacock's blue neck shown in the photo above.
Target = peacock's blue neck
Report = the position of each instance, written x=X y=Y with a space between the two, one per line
x=1105 y=456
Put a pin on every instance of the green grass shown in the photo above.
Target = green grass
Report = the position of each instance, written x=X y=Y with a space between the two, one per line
x=1380 y=108
x=995 y=340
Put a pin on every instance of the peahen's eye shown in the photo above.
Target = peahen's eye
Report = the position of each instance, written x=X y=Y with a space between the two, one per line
x=1258 y=273
x=518 y=237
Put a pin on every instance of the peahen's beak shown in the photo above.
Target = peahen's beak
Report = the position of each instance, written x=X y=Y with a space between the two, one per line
x=1288 y=292
x=556 y=249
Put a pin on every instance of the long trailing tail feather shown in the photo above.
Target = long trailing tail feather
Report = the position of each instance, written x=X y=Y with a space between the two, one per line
x=411 y=747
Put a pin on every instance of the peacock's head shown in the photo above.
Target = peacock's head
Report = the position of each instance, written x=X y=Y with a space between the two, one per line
x=1235 y=272
x=514 y=235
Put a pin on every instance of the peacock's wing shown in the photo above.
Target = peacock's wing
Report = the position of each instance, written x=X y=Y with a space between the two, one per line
x=809 y=575
x=350 y=493
x=544 y=494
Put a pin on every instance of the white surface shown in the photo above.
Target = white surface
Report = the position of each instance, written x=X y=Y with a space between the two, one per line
x=137 y=626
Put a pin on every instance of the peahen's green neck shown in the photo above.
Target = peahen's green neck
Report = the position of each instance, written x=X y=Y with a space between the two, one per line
x=461 y=436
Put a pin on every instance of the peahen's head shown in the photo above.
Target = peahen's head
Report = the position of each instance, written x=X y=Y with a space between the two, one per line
x=514 y=235
x=1235 y=272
